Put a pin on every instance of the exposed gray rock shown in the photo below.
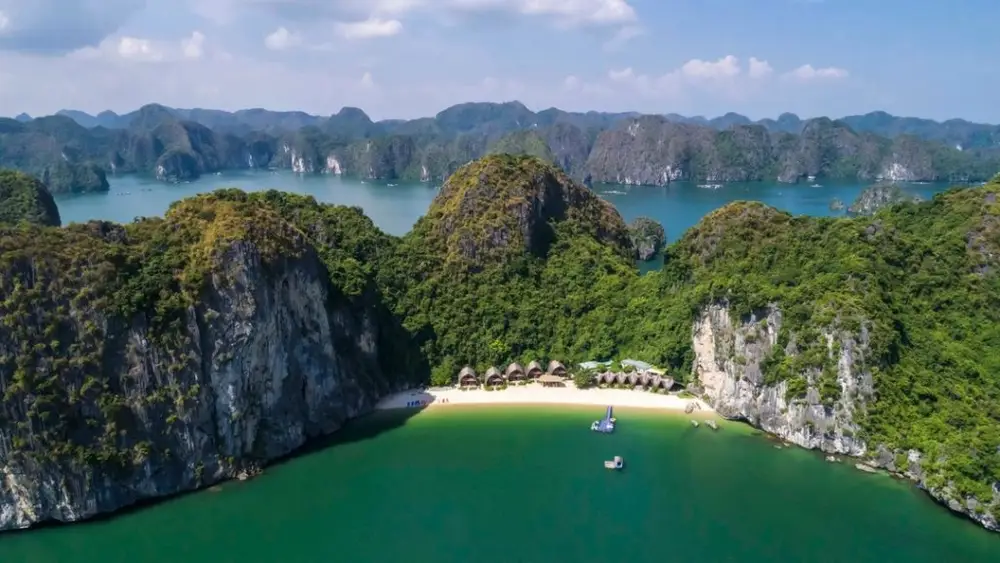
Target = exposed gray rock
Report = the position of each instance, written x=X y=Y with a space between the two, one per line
x=271 y=357
x=648 y=238
x=728 y=359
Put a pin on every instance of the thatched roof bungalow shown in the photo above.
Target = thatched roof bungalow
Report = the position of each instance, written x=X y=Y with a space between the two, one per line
x=514 y=372
x=534 y=370
x=549 y=380
x=556 y=368
x=493 y=377
x=467 y=377
x=659 y=382
x=606 y=378
x=633 y=379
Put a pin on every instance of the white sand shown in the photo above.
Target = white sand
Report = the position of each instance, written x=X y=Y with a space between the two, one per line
x=537 y=394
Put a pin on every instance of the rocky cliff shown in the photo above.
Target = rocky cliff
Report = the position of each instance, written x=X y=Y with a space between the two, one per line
x=843 y=336
x=180 y=145
x=167 y=355
x=730 y=372
x=648 y=238
x=25 y=198
x=815 y=409
x=878 y=196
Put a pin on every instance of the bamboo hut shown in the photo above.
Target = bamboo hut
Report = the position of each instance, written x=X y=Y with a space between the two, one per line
x=621 y=378
x=606 y=378
x=493 y=377
x=467 y=377
x=633 y=379
x=556 y=368
x=549 y=380
x=514 y=372
x=534 y=370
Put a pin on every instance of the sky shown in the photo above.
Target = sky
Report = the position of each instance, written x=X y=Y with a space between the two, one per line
x=413 y=58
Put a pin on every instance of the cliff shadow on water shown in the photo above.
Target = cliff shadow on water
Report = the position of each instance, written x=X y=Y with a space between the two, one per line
x=355 y=430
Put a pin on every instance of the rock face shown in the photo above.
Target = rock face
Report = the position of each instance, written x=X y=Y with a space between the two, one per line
x=878 y=196
x=102 y=409
x=24 y=198
x=179 y=145
x=729 y=359
x=503 y=205
x=648 y=238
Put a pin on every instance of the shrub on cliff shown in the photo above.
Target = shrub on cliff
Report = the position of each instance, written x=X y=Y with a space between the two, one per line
x=25 y=198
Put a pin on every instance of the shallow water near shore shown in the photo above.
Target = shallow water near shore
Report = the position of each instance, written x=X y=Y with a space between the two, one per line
x=526 y=484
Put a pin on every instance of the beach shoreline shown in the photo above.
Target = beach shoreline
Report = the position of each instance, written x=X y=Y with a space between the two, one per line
x=536 y=394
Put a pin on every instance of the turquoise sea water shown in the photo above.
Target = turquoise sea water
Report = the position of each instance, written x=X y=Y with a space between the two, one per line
x=396 y=207
x=527 y=485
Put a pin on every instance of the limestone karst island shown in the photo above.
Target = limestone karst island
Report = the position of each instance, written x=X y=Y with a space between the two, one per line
x=244 y=319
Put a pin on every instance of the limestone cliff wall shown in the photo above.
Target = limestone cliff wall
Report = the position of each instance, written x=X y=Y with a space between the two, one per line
x=270 y=357
x=729 y=357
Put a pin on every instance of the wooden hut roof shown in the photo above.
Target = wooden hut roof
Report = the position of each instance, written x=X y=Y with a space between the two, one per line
x=514 y=369
x=534 y=366
x=556 y=366
x=492 y=371
x=467 y=371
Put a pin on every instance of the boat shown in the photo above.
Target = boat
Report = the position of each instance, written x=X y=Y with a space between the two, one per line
x=605 y=425
x=711 y=424
x=617 y=463
x=816 y=186
x=694 y=423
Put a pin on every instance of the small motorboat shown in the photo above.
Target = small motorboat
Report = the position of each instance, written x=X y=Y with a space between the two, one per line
x=617 y=463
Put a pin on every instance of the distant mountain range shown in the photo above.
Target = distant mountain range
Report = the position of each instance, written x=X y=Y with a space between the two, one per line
x=957 y=132
x=72 y=150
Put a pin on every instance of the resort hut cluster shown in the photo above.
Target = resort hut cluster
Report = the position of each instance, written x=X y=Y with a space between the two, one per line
x=514 y=373
x=634 y=373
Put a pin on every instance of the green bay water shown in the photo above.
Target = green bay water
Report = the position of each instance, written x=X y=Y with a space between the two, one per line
x=527 y=485
x=396 y=207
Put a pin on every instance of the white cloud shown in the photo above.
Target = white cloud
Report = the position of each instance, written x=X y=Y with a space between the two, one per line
x=193 y=47
x=368 y=29
x=139 y=49
x=725 y=67
x=281 y=39
x=4 y=21
x=57 y=27
x=367 y=81
x=623 y=36
x=600 y=12
x=621 y=75
x=571 y=82
x=759 y=68
x=725 y=79
x=808 y=72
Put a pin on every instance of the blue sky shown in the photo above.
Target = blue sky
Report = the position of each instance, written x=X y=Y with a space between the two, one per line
x=409 y=58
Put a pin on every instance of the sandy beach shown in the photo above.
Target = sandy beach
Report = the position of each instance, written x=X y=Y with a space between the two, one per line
x=537 y=394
